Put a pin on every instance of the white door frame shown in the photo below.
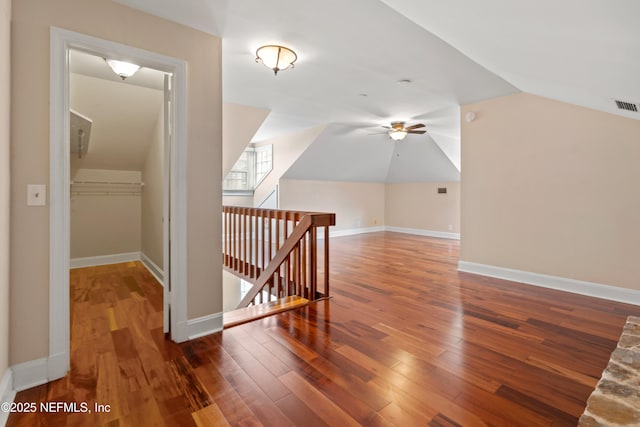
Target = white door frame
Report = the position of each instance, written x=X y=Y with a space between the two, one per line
x=59 y=182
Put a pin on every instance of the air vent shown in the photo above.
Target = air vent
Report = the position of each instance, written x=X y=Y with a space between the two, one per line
x=628 y=106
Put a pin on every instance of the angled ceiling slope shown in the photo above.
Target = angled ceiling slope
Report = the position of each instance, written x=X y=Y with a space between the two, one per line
x=344 y=153
x=583 y=52
x=239 y=125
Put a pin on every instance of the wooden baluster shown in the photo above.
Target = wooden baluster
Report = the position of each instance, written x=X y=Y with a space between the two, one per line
x=270 y=235
x=326 y=261
x=250 y=241
x=297 y=270
x=278 y=277
x=313 y=263
x=230 y=237
x=303 y=262
x=235 y=242
x=277 y=246
x=263 y=221
x=245 y=265
x=224 y=242
x=286 y=277
x=286 y=229
x=256 y=243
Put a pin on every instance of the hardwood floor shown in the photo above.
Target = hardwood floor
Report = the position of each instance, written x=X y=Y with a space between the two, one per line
x=405 y=340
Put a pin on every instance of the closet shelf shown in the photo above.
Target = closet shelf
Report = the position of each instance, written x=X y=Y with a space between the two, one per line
x=141 y=184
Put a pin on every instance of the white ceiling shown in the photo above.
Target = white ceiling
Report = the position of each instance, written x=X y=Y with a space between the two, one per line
x=584 y=52
x=124 y=114
x=455 y=52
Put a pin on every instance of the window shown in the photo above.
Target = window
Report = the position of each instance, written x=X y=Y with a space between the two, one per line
x=264 y=162
x=252 y=167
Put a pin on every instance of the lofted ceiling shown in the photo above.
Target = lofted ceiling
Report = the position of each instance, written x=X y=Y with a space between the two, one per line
x=353 y=55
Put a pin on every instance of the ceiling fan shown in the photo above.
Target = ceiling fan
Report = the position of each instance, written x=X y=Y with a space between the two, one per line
x=397 y=131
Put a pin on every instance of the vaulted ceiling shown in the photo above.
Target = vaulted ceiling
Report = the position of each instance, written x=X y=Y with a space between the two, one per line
x=352 y=56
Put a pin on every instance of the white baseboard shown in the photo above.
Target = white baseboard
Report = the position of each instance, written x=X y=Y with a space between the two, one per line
x=351 y=231
x=30 y=374
x=93 y=261
x=416 y=231
x=201 y=326
x=597 y=290
x=153 y=268
x=420 y=232
x=7 y=394
x=40 y=371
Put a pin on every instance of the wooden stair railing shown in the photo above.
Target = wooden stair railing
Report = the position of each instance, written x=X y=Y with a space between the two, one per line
x=277 y=252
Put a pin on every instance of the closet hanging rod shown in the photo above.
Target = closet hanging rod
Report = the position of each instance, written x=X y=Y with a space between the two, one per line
x=141 y=184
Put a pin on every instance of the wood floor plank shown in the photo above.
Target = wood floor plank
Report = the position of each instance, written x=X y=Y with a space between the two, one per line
x=327 y=410
x=405 y=340
x=210 y=416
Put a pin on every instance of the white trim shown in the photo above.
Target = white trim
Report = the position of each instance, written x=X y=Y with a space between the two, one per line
x=420 y=232
x=59 y=211
x=61 y=41
x=30 y=374
x=362 y=230
x=350 y=231
x=153 y=268
x=93 y=261
x=7 y=394
x=201 y=326
x=597 y=290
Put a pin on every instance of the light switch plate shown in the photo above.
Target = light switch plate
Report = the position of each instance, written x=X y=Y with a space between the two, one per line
x=36 y=195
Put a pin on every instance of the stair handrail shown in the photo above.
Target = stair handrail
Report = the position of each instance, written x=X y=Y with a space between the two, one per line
x=295 y=251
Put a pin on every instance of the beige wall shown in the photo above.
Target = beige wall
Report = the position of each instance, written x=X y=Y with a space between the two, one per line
x=419 y=206
x=105 y=219
x=244 y=201
x=239 y=124
x=32 y=20
x=5 y=26
x=356 y=204
x=286 y=150
x=551 y=188
x=152 y=243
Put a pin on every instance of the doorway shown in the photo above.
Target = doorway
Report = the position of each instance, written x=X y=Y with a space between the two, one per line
x=117 y=142
x=63 y=42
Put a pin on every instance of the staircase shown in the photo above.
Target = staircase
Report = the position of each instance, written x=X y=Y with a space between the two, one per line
x=283 y=254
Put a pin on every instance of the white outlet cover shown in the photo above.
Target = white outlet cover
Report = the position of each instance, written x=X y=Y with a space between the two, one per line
x=36 y=195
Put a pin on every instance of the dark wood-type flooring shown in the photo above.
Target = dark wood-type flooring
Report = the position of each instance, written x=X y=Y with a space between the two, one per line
x=405 y=340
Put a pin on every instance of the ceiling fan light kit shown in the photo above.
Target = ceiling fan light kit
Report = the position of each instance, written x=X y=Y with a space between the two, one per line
x=276 y=57
x=397 y=131
x=397 y=135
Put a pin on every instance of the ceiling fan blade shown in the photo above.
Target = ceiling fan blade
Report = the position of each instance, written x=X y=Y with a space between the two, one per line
x=416 y=126
x=377 y=133
x=419 y=132
x=386 y=127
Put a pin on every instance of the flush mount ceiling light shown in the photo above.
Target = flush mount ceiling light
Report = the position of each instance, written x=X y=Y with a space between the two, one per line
x=276 y=57
x=123 y=69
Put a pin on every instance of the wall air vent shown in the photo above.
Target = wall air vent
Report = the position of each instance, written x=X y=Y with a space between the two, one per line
x=628 y=106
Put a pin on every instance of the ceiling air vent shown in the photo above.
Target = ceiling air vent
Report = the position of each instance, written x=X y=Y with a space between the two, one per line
x=622 y=105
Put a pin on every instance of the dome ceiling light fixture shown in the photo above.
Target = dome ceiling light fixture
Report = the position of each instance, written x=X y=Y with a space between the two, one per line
x=397 y=134
x=276 y=57
x=122 y=68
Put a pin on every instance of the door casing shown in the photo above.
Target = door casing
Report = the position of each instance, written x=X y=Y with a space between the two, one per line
x=62 y=41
